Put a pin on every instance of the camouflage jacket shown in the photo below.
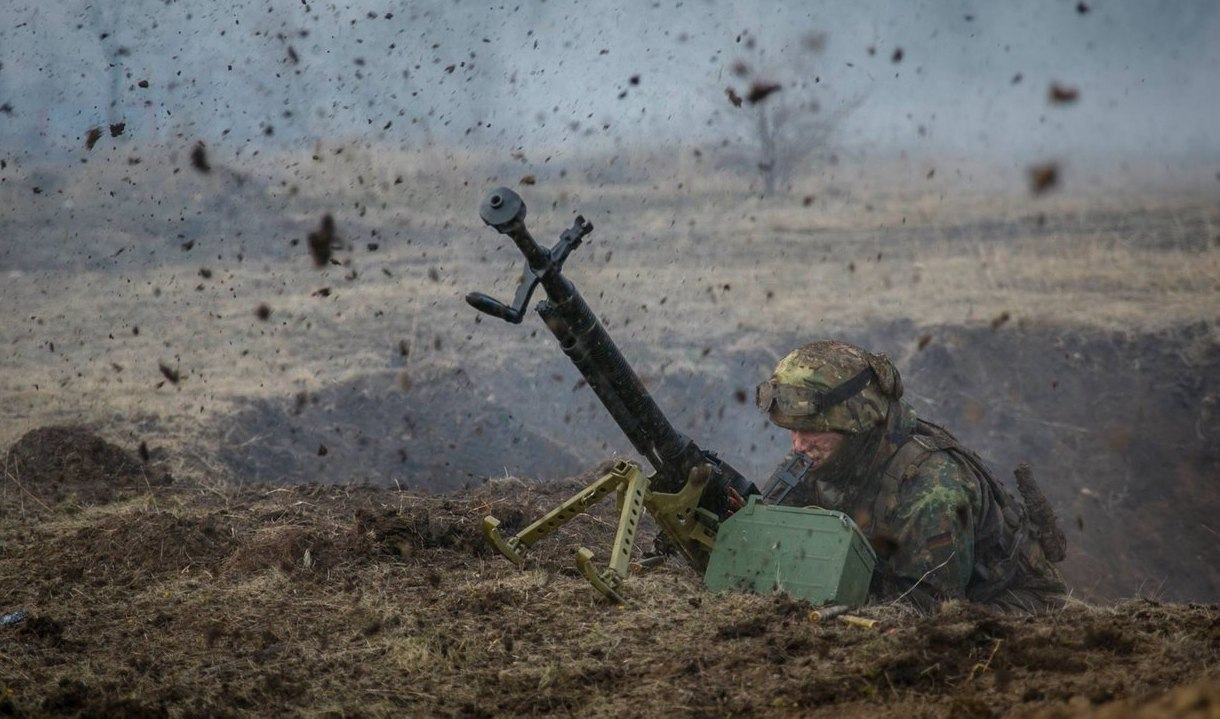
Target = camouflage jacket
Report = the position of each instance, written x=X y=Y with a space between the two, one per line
x=942 y=526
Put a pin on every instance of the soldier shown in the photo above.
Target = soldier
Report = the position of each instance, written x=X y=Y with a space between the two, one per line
x=942 y=526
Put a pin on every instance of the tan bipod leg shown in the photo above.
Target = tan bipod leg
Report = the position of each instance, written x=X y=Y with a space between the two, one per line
x=632 y=491
x=517 y=546
x=691 y=529
x=632 y=486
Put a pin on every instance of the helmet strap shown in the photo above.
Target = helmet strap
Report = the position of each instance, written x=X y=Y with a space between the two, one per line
x=847 y=390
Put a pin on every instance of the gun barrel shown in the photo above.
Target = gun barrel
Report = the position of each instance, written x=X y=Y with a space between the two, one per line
x=587 y=344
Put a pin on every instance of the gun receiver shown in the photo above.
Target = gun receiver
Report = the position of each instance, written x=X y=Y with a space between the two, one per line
x=674 y=457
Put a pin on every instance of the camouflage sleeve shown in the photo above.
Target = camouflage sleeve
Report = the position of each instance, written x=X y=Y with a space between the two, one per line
x=934 y=525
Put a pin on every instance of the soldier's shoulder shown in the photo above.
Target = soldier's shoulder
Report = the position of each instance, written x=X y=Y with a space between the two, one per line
x=921 y=456
x=932 y=468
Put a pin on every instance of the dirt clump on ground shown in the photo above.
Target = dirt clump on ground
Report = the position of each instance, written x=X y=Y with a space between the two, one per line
x=212 y=599
x=70 y=465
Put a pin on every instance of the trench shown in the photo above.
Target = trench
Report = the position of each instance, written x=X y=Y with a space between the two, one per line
x=1122 y=430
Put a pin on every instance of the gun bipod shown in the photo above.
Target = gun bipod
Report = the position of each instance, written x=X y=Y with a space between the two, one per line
x=677 y=514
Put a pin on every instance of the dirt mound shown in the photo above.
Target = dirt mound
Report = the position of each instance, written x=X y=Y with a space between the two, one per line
x=51 y=466
x=323 y=599
x=146 y=542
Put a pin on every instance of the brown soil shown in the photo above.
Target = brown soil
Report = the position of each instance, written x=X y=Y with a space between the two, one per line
x=71 y=465
x=193 y=599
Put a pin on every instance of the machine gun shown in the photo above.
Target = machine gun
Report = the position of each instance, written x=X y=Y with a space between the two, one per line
x=690 y=491
x=710 y=514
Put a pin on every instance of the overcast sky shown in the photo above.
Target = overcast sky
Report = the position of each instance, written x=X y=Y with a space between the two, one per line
x=971 y=77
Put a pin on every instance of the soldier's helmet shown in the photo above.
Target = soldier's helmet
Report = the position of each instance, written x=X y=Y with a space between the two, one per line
x=830 y=386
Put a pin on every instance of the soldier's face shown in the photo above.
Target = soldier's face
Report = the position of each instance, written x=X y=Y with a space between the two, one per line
x=817 y=446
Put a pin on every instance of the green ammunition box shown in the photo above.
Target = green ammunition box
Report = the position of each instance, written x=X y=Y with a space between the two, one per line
x=813 y=554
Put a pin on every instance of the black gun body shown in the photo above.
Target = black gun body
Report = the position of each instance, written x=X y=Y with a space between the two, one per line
x=671 y=453
x=596 y=364
x=585 y=341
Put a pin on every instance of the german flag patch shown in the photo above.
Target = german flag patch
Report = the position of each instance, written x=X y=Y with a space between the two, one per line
x=943 y=539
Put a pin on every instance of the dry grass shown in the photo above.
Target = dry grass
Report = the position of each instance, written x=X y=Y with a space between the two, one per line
x=204 y=603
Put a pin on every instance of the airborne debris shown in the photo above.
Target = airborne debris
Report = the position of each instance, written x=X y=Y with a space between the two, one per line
x=759 y=91
x=1062 y=94
x=897 y=56
x=169 y=373
x=117 y=128
x=91 y=137
x=1082 y=7
x=1043 y=177
x=199 y=157
x=322 y=241
x=923 y=342
x=1000 y=320
x=733 y=96
x=263 y=311
x=814 y=41
x=529 y=180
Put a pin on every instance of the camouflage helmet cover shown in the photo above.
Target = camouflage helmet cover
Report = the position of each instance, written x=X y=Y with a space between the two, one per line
x=818 y=369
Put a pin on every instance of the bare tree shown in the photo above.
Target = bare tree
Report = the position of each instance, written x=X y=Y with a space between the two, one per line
x=780 y=105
